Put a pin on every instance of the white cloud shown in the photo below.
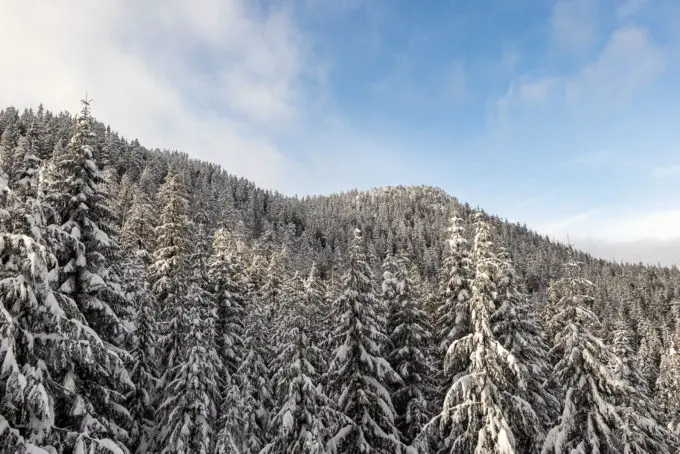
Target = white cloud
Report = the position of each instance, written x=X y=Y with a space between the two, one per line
x=529 y=92
x=629 y=61
x=650 y=237
x=217 y=81
x=574 y=25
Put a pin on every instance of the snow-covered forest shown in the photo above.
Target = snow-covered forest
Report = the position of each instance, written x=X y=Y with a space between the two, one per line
x=153 y=303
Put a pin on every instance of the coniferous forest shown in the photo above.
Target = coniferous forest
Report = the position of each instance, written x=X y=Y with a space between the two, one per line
x=153 y=303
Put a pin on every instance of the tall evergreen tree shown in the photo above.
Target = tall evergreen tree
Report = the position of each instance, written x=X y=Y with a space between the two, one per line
x=453 y=315
x=168 y=271
x=224 y=269
x=484 y=411
x=61 y=385
x=87 y=272
x=359 y=373
x=410 y=334
x=600 y=413
x=518 y=332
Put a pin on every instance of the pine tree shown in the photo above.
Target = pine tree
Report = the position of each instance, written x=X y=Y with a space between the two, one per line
x=144 y=372
x=168 y=270
x=359 y=374
x=484 y=411
x=137 y=231
x=453 y=315
x=518 y=332
x=188 y=411
x=668 y=389
x=600 y=413
x=224 y=269
x=304 y=418
x=61 y=386
x=87 y=274
x=253 y=378
x=410 y=334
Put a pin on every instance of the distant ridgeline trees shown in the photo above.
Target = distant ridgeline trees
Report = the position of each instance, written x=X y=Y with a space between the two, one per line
x=152 y=303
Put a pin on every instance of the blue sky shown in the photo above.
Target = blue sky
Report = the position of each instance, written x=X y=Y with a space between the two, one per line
x=559 y=114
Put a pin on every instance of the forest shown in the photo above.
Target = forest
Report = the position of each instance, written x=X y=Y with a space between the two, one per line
x=154 y=303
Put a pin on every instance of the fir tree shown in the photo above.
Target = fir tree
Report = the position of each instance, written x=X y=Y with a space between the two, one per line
x=189 y=408
x=453 y=315
x=484 y=411
x=518 y=332
x=61 y=386
x=168 y=270
x=410 y=335
x=224 y=269
x=600 y=413
x=87 y=274
x=303 y=420
x=359 y=374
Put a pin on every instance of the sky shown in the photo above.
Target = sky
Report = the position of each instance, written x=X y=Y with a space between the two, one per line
x=561 y=115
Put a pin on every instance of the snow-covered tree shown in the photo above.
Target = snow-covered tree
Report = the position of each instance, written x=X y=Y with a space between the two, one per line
x=256 y=398
x=668 y=388
x=304 y=418
x=144 y=373
x=600 y=413
x=359 y=373
x=61 y=386
x=188 y=411
x=518 y=332
x=484 y=411
x=453 y=315
x=224 y=269
x=87 y=274
x=168 y=271
x=410 y=334
x=137 y=231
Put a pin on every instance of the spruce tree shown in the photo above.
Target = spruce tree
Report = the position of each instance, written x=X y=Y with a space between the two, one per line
x=515 y=327
x=303 y=420
x=484 y=411
x=600 y=413
x=87 y=272
x=61 y=386
x=168 y=271
x=188 y=411
x=358 y=374
x=453 y=315
x=410 y=334
x=224 y=269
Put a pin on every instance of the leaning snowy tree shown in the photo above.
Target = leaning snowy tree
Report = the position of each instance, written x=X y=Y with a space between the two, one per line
x=358 y=374
x=410 y=334
x=601 y=413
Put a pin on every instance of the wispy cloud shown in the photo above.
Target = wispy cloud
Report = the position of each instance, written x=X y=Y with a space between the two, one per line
x=574 y=25
x=219 y=81
x=629 y=61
